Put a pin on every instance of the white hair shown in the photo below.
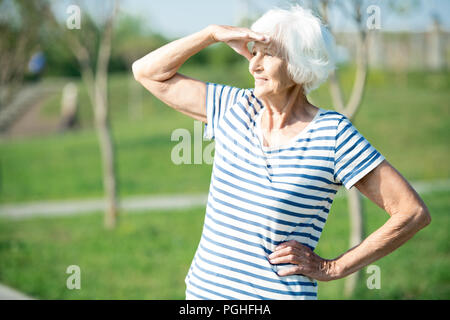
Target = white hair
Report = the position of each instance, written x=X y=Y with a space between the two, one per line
x=303 y=42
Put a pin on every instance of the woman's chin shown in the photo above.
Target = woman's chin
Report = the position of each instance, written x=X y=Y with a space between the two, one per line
x=260 y=92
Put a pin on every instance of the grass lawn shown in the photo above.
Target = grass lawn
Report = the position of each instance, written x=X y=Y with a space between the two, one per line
x=148 y=255
x=406 y=117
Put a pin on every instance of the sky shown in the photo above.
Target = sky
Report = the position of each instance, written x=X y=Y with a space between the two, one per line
x=178 y=18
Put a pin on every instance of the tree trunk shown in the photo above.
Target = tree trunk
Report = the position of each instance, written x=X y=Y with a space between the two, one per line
x=102 y=123
x=107 y=152
x=349 y=109
x=109 y=180
x=356 y=233
x=96 y=84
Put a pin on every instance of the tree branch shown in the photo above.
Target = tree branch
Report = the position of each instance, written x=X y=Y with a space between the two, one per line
x=104 y=51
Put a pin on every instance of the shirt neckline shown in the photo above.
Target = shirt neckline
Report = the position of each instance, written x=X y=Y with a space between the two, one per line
x=292 y=140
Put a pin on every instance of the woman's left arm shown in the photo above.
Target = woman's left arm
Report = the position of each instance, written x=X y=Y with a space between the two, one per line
x=386 y=187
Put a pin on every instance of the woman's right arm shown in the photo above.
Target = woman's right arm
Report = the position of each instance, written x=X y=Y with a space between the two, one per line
x=158 y=70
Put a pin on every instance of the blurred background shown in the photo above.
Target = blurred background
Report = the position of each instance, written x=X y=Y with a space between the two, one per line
x=86 y=176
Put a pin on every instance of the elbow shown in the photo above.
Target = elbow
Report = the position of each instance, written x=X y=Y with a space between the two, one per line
x=143 y=69
x=423 y=217
x=136 y=69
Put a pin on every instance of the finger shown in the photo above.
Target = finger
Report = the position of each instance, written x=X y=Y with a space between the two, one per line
x=289 y=271
x=262 y=38
x=255 y=36
x=284 y=245
x=252 y=35
x=289 y=258
x=265 y=39
x=283 y=252
x=292 y=243
x=246 y=54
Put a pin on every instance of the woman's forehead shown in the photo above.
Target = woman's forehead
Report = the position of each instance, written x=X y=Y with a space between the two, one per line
x=263 y=46
x=271 y=48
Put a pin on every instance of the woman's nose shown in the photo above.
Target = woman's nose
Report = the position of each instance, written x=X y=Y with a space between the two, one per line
x=255 y=63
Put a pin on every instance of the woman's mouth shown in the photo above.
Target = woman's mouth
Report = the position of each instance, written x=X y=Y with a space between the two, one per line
x=260 y=80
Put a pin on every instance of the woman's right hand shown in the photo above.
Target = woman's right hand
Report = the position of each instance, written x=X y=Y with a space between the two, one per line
x=237 y=38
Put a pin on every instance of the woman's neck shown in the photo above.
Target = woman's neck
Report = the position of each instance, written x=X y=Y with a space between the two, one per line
x=286 y=109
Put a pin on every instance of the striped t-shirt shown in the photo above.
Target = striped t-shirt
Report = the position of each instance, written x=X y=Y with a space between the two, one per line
x=262 y=196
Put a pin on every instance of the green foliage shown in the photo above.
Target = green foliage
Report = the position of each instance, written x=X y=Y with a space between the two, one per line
x=220 y=55
x=60 y=60
x=20 y=30
x=130 y=42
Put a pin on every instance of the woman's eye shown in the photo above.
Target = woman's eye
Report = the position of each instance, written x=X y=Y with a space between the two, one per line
x=265 y=53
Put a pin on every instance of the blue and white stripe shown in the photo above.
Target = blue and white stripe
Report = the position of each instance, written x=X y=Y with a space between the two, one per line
x=262 y=196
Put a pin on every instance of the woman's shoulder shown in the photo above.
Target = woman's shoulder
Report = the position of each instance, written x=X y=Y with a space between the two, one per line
x=332 y=122
x=332 y=115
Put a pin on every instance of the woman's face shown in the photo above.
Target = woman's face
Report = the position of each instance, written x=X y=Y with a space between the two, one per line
x=269 y=70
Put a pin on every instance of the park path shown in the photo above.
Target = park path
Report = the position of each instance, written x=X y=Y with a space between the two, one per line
x=148 y=203
x=23 y=116
x=132 y=204
x=7 y=293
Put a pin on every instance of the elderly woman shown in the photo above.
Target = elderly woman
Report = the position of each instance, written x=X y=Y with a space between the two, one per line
x=279 y=161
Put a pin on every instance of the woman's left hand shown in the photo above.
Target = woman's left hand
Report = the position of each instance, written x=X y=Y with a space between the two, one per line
x=307 y=262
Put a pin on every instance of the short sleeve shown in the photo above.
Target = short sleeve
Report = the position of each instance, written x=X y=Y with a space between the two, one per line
x=219 y=98
x=354 y=156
